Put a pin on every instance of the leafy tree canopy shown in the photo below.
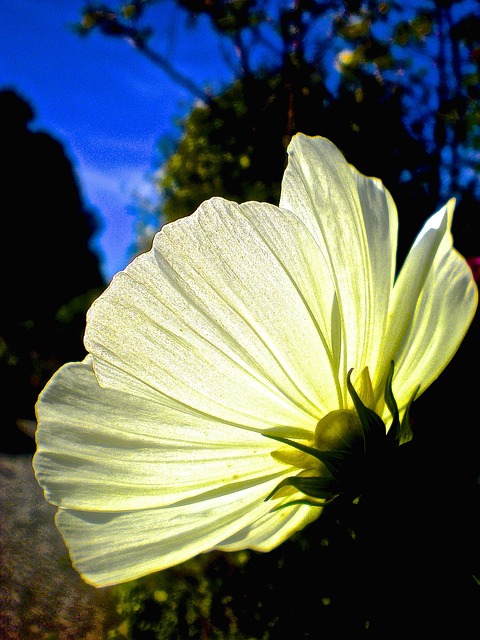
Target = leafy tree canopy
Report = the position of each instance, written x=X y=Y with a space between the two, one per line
x=395 y=85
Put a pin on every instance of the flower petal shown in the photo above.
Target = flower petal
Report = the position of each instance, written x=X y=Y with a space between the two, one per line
x=111 y=548
x=131 y=453
x=268 y=532
x=225 y=314
x=354 y=222
x=435 y=298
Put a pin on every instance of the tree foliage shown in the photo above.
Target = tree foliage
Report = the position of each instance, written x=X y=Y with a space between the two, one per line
x=240 y=154
x=394 y=85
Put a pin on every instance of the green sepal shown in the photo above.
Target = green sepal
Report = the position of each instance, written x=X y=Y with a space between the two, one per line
x=304 y=501
x=405 y=429
x=372 y=424
x=312 y=486
x=335 y=461
x=394 y=431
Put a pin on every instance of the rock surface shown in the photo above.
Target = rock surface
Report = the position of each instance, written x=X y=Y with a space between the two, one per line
x=41 y=595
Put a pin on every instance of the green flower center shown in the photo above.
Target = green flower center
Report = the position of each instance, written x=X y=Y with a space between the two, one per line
x=349 y=449
x=340 y=430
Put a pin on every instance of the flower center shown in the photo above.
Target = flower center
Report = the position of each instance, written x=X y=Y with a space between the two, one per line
x=340 y=430
x=350 y=447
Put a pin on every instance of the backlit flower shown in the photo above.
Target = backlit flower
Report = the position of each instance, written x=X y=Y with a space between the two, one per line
x=257 y=362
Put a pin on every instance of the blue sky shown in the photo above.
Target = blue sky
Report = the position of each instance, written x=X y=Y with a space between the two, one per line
x=104 y=102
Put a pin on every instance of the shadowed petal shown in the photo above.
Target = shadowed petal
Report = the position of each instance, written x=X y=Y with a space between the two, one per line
x=111 y=548
x=266 y=533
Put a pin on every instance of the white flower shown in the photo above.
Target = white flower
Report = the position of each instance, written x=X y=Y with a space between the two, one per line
x=239 y=327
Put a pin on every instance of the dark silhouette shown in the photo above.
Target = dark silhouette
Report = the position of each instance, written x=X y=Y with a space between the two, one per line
x=49 y=275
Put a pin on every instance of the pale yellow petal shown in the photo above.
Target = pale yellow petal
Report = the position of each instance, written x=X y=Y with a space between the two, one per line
x=354 y=222
x=435 y=298
x=226 y=314
x=103 y=450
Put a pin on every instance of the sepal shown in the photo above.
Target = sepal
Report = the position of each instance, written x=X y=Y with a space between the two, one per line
x=373 y=426
x=334 y=461
x=317 y=487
